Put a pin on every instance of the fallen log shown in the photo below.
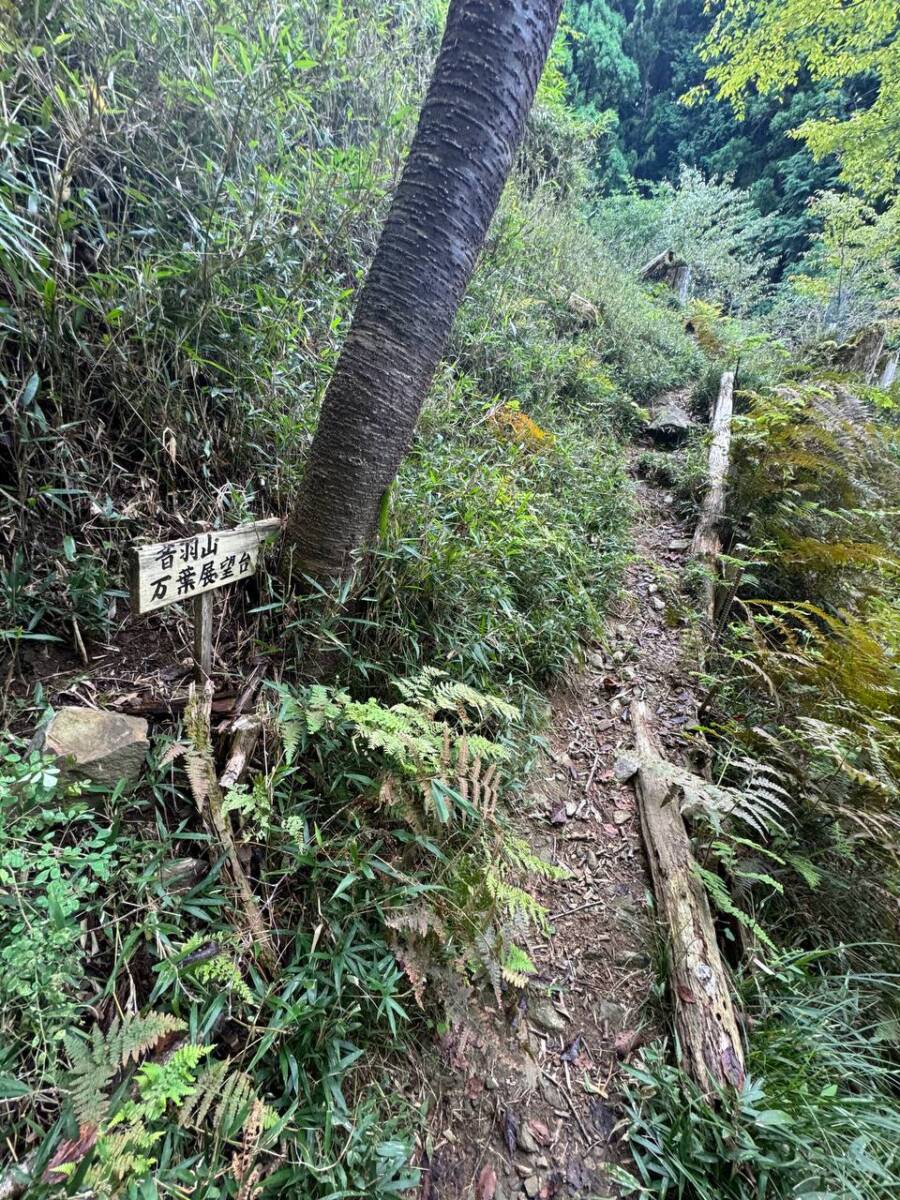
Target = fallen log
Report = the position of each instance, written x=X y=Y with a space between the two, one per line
x=706 y=545
x=705 y=1020
x=658 y=267
x=669 y=269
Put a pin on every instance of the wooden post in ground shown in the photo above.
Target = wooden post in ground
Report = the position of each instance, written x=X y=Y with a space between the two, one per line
x=203 y=623
x=705 y=1020
x=706 y=545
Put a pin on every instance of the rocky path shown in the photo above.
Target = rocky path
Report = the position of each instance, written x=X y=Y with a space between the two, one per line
x=527 y=1104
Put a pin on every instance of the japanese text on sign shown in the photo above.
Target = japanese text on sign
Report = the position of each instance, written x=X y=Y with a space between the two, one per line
x=174 y=571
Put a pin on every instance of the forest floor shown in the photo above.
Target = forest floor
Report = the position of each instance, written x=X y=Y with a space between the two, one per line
x=530 y=1105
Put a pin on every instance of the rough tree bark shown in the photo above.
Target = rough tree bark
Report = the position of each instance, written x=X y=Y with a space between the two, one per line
x=706 y=545
x=487 y=71
x=705 y=1019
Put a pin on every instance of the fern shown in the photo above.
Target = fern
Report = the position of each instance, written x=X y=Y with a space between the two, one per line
x=515 y=901
x=161 y=1084
x=721 y=897
x=230 y=1096
x=517 y=967
x=98 y=1059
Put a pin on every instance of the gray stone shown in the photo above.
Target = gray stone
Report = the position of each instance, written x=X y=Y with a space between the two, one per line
x=532 y=1185
x=96 y=746
x=525 y=1139
x=669 y=424
x=544 y=1014
x=658 y=603
x=609 y=1012
x=181 y=874
x=625 y=768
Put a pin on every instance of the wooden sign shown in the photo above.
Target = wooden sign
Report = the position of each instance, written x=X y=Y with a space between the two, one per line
x=174 y=572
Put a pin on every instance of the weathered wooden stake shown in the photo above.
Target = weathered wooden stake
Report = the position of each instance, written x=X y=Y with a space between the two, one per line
x=203 y=626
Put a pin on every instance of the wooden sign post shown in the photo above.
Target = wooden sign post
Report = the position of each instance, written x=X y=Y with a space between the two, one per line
x=192 y=568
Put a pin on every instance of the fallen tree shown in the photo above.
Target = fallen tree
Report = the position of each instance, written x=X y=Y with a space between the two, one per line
x=706 y=545
x=705 y=1020
x=669 y=269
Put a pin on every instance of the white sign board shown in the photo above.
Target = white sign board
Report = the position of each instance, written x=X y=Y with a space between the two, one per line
x=172 y=572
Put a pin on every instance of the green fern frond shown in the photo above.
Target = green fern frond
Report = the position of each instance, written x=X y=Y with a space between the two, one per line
x=517 y=967
x=721 y=897
x=229 y=1095
x=97 y=1060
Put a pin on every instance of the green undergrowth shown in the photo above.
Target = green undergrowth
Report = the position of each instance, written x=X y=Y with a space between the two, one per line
x=146 y=1049
x=817 y=1114
x=168 y=340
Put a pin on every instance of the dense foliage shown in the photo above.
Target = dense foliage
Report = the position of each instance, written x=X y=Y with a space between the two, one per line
x=189 y=197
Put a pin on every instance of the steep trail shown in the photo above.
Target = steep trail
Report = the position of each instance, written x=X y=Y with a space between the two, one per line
x=528 y=1105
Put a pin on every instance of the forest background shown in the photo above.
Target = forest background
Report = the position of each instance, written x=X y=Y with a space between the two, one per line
x=190 y=195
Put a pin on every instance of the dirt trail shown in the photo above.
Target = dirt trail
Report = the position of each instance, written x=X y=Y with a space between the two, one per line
x=528 y=1105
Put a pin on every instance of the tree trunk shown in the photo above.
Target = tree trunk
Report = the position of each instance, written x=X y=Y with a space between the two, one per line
x=705 y=1020
x=487 y=71
x=706 y=545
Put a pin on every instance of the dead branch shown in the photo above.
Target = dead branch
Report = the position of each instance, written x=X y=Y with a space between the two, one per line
x=209 y=797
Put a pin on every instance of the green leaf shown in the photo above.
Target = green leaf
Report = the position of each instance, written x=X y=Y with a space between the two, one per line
x=773 y=1117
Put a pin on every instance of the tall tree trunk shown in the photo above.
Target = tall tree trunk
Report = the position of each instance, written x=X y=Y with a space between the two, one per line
x=487 y=71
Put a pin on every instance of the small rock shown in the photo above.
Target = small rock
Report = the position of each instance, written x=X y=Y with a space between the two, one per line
x=620 y=817
x=545 y=1015
x=596 y=660
x=524 y=1169
x=491 y=1083
x=571 y=809
x=625 y=768
x=658 y=603
x=181 y=874
x=610 y=1013
x=652 y=589
x=670 y=424
x=558 y=816
x=615 y=707
x=592 y=860
x=96 y=746
x=532 y=1185
x=633 y=958
x=525 y=1140
x=679 y=544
